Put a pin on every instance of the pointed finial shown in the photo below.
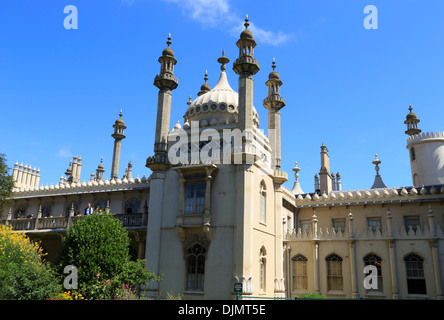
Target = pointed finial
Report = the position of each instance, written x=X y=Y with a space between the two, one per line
x=169 y=40
x=223 y=60
x=246 y=24
x=376 y=162
x=120 y=114
x=273 y=64
x=206 y=76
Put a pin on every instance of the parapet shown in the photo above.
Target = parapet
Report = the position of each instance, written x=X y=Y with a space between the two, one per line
x=425 y=136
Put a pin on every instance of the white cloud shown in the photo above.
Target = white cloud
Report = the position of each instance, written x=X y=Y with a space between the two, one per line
x=65 y=152
x=219 y=13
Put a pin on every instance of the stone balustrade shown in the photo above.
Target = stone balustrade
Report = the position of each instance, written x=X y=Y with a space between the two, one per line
x=63 y=223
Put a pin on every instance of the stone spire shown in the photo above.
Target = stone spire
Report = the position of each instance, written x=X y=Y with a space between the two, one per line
x=412 y=123
x=274 y=103
x=166 y=82
x=118 y=135
x=378 y=183
x=325 y=177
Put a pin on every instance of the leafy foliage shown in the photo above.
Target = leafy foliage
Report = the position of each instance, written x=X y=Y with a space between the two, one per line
x=98 y=246
x=23 y=274
x=6 y=182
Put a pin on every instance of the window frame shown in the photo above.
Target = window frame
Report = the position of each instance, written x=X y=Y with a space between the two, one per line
x=195 y=204
x=299 y=277
x=335 y=281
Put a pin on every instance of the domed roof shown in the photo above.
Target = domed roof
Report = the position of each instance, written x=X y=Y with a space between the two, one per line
x=120 y=121
x=221 y=99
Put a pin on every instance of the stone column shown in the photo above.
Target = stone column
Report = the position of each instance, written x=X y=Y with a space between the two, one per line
x=392 y=254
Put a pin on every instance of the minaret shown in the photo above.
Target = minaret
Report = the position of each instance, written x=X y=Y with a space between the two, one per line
x=118 y=135
x=325 y=178
x=246 y=66
x=274 y=103
x=158 y=163
x=412 y=123
x=166 y=82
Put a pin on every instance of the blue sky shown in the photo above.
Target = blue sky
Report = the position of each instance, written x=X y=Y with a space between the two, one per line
x=349 y=87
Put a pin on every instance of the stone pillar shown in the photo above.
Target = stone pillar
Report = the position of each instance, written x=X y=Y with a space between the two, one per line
x=353 y=264
x=434 y=246
x=392 y=255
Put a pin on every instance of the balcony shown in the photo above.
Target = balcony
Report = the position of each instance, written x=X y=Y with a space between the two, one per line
x=61 y=224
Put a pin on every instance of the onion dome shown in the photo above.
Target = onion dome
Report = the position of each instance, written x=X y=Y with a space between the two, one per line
x=246 y=34
x=168 y=51
x=120 y=121
x=273 y=74
x=217 y=106
x=205 y=87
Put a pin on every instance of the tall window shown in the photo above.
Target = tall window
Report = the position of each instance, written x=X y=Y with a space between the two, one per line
x=195 y=197
x=300 y=278
x=263 y=269
x=195 y=260
x=262 y=195
x=415 y=274
x=374 y=260
x=334 y=272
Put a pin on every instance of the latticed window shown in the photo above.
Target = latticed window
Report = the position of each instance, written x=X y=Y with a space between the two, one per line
x=334 y=272
x=374 y=260
x=195 y=259
x=195 y=197
x=415 y=274
x=300 y=278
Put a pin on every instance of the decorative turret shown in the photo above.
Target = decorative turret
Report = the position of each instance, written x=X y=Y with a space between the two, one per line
x=100 y=170
x=412 y=123
x=118 y=135
x=274 y=103
x=166 y=82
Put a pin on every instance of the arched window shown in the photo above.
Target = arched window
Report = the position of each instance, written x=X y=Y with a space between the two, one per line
x=20 y=212
x=46 y=211
x=195 y=260
x=414 y=265
x=373 y=260
x=263 y=201
x=131 y=206
x=263 y=268
x=334 y=272
x=300 y=278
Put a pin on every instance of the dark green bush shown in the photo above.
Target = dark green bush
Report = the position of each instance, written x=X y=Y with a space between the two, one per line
x=98 y=246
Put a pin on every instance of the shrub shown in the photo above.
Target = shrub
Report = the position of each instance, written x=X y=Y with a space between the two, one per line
x=98 y=246
x=23 y=274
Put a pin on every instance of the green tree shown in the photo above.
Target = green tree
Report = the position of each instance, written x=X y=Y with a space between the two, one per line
x=98 y=246
x=6 y=183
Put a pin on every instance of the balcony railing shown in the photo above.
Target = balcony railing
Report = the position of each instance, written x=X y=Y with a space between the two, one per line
x=63 y=223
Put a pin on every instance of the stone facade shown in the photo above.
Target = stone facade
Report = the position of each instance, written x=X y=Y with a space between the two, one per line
x=205 y=225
